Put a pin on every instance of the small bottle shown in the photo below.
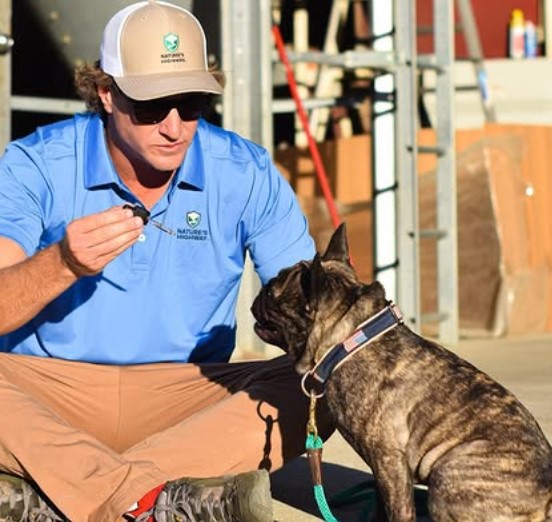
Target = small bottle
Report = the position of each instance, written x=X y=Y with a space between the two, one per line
x=531 y=42
x=517 y=34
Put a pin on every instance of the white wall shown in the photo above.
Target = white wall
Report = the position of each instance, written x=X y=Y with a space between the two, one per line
x=521 y=91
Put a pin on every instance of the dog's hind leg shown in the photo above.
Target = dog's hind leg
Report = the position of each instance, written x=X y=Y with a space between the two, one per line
x=462 y=493
x=444 y=501
x=459 y=493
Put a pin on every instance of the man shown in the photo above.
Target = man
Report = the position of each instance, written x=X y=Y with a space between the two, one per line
x=123 y=234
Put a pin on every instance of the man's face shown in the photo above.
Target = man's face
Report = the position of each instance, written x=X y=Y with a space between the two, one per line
x=155 y=133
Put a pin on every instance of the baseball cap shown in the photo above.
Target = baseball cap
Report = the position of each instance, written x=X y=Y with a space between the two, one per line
x=156 y=49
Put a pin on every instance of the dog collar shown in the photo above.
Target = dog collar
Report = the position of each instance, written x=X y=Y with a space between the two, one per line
x=367 y=332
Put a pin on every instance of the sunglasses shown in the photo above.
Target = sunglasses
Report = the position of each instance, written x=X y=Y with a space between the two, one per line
x=189 y=106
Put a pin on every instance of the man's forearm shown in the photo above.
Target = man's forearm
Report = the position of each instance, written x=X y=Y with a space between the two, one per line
x=28 y=286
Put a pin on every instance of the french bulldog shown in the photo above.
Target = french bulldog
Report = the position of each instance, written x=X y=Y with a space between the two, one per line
x=414 y=411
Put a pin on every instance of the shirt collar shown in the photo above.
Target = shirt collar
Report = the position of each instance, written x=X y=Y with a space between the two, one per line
x=191 y=173
x=99 y=170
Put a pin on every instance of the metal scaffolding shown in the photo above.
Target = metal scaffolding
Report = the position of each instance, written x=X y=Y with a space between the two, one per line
x=396 y=65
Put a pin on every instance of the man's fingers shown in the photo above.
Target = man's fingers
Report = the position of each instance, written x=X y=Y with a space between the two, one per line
x=113 y=247
x=105 y=218
x=93 y=241
x=108 y=231
x=117 y=251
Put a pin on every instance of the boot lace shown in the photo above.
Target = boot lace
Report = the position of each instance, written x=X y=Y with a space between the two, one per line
x=35 y=509
x=186 y=503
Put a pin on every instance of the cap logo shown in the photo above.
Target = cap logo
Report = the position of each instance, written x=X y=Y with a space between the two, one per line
x=193 y=219
x=171 y=42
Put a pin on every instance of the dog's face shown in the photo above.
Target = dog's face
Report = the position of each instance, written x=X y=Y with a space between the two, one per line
x=301 y=310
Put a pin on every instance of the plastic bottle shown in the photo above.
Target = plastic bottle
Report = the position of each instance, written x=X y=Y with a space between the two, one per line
x=531 y=42
x=517 y=34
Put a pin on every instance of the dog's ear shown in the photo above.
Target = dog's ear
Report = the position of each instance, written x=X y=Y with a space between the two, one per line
x=313 y=281
x=376 y=290
x=338 y=247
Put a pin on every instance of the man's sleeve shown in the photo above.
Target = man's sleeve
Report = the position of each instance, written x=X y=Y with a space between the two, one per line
x=23 y=195
x=279 y=232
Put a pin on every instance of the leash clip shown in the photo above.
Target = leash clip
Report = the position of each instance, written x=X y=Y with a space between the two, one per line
x=310 y=393
x=311 y=424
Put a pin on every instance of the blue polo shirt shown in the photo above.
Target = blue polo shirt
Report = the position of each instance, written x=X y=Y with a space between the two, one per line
x=167 y=298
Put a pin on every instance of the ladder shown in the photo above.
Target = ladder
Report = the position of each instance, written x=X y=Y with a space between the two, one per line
x=398 y=264
x=326 y=84
x=468 y=27
x=473 y=43
x=409 y=233
x=446 y=232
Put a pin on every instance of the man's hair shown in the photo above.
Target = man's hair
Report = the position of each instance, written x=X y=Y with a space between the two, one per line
x=88 y=78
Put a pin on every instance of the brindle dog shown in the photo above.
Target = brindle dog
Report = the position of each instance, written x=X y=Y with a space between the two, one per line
x=414 y=411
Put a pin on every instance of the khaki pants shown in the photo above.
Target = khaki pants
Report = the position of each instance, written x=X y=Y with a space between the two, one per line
x=96 y=438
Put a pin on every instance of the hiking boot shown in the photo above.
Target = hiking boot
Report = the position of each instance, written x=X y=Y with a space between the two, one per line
x=19 y=502
x=239 y=498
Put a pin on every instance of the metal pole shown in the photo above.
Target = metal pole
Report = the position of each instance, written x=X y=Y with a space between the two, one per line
x=409 y=274
x=384 y=158
x=447 y=246
x=5 y=72
x=246 y=61
x=247 y=109
x=301 y=45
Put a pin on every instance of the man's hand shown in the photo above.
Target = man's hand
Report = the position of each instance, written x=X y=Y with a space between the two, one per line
x=91 y=242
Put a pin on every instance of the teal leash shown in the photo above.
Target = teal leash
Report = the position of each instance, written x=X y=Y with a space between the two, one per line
x=314 y=455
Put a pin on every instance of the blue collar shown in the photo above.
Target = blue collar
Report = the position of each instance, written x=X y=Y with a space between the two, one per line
x=367 y=332
x=98 y=168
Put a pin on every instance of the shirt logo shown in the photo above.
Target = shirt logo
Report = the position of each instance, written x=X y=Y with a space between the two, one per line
x=171 y=42
x=193 y=219
x=192 y=232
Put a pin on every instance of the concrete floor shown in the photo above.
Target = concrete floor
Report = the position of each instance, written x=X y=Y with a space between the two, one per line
x=523 y=365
